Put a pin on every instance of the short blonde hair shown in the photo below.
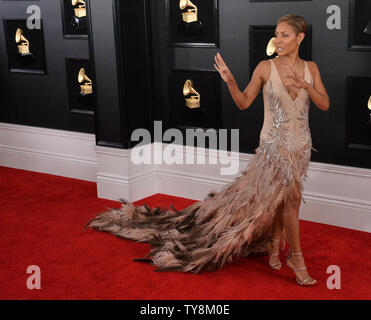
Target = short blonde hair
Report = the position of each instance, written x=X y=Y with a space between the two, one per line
x=297 y=22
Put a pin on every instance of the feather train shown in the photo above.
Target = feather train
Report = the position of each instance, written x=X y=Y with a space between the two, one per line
x=237 y=220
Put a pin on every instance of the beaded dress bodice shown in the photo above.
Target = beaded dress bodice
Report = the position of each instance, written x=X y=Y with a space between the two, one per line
x=285 y=120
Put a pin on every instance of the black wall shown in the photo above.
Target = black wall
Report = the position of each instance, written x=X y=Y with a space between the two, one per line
x=329 y=51
x=41 y=100
x=133 y=61
x=118 y=50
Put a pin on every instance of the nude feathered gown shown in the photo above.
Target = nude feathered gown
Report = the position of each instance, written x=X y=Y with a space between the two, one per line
x=236 y=221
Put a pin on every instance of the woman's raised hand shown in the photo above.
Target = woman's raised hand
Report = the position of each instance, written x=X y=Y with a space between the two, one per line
x=296 y=80
x=222 y=68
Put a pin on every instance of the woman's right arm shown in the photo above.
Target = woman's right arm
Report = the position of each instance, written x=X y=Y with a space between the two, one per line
x=242 y=99
x=245 y=99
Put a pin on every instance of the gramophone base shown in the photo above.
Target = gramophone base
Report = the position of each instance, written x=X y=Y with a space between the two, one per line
x=191 y=29
x=25 y=58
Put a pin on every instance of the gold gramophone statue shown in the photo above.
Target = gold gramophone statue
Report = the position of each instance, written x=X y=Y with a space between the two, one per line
x=190 y=24
x=79 y=18
x=191 y=14
x=271 y=48
x=369 y=108
x=85 y=83
x=23 y=56
x=23 y=43
x=194 y=100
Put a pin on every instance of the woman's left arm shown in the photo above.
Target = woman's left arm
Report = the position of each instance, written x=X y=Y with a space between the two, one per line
x=318 y=93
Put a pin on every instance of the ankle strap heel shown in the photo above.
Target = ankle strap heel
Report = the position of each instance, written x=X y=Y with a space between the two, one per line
x=305 y=282
x=277 y=265
x=296 y=253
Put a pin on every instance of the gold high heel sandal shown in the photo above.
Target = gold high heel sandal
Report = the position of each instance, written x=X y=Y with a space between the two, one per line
x=305 y=282
x=276 y=265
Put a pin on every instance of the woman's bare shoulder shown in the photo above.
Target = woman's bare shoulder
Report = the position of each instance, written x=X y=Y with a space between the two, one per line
x=265 y=64
x=313 y=69
x=263 y=69
x=312 y=66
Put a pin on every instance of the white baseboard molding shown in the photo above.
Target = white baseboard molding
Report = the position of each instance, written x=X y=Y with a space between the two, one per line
x=64 y=153
x=334 y=195
x=336 y=212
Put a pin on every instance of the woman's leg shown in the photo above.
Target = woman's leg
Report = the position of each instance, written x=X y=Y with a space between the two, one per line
x=278 y=222
x=276 y=234
x=290 y=217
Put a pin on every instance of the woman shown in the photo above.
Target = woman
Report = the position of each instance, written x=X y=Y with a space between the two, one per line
x=287 y=74
x=249 y=215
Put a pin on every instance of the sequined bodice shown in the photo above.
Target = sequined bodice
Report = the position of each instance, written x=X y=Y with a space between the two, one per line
x=285 y=120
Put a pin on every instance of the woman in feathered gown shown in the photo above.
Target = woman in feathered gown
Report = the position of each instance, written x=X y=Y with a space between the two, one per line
x=259 y=208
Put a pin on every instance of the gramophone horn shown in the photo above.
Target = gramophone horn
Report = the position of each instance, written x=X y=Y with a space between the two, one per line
x=187 y=87
x=193 y=101
x=186 y=3
x=271 y=48
x=18 y=35
x=82 y=76
x=182 y=4
x=76 y=2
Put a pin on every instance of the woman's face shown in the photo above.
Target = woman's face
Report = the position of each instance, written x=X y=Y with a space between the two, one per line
x=286 y=39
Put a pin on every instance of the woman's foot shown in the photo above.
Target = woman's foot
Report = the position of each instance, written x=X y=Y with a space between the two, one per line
x=295 y=261
x=274 y=254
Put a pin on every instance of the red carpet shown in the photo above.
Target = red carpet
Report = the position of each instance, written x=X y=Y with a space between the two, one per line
x=42 y=219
